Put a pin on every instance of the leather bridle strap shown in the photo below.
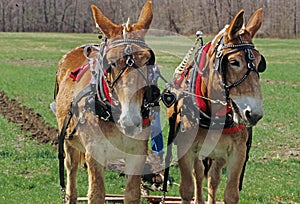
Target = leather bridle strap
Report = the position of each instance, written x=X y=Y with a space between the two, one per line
x=126 y=41
x=128 y=54
x=218 y=64
x=129 y=63
x=129 y=58
x=61 y=155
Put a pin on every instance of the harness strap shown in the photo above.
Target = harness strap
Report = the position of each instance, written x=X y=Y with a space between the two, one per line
x=86 y=91
x=249 y=143
x=126 y=41
x=61 y=154
x=61 y=138
x=168 y=158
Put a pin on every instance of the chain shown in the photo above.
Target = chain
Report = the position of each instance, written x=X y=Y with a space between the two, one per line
x=163 y=198
x=215 y=101
x=181 y=67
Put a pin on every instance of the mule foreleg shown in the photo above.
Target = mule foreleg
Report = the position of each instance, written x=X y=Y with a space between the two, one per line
x=133 y=189
x=71 y=163
x=134 y=170
x=96 y=192
x=186 y=166
x=235 y=165
x=199 y=175
x=135 y=158
x=214 y=179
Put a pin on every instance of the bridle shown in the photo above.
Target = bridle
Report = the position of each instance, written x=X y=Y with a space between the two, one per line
x=151 y=92
x=220 y=56
x=128 y=54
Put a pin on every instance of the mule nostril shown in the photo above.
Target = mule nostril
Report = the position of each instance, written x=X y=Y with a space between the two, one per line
x=252 y=117
x=248 y=114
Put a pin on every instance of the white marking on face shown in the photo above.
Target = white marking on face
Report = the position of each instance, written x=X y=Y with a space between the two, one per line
x=251 y=109
x=130 y=119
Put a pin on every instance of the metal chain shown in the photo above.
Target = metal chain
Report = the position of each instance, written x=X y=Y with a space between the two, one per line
x=181 y=67
x=215 y=101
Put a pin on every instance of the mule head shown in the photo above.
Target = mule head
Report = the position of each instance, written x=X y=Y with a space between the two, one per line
x=128 y=58
x=236 y=65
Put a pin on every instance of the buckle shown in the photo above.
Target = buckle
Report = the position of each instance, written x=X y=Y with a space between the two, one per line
x=106 y=118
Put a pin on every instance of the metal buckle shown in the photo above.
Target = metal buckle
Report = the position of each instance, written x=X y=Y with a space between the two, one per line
x=128 y=50
x=219 y=54
x=251 y=66
x=107 y=117
x=130 y=62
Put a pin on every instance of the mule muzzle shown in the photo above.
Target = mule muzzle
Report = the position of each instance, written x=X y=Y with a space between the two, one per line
x=130 y=125
x=248 y=111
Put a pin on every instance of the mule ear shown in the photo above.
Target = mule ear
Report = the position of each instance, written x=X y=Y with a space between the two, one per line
x=254 y=22
x=236 y=25
x=145 y=18
x=108 y=28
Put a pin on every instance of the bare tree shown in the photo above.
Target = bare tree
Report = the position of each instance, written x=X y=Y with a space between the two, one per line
x=281 y=18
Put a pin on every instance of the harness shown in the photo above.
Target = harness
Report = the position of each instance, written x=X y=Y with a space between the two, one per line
x=98 y=94
x=195 y=105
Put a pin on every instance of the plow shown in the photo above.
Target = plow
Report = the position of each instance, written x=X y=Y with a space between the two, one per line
x=118 y=198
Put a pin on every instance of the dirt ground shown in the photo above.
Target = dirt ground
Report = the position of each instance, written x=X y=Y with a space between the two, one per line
x=27 y=119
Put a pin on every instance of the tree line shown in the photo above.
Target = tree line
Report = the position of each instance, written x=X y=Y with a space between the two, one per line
x=281 y=18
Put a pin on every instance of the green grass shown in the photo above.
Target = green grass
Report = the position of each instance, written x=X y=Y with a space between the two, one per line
x=29 y=170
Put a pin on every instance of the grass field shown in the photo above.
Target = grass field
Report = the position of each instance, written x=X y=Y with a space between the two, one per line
x=29 y=170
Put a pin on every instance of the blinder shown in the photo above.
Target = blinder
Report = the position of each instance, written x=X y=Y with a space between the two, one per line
x=152 y=92
x=151 y=61
x=152 y=95
x=262 y=65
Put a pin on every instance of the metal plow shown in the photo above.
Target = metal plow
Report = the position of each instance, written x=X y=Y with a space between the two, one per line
x=118 y=198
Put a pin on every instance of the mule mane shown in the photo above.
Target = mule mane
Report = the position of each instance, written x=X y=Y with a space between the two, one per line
x=221 y=32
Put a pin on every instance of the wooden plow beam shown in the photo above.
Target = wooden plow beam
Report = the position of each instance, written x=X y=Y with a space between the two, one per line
x=118 y=198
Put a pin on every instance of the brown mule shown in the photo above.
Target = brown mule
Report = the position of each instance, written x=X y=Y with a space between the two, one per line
x=220 y=100
x=112 y=121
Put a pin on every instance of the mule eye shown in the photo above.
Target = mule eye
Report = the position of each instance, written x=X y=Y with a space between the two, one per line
x=234 y=63
x=113 y=64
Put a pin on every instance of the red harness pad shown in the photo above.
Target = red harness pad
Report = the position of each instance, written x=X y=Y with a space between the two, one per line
x=200 y=102
x=78 y=72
